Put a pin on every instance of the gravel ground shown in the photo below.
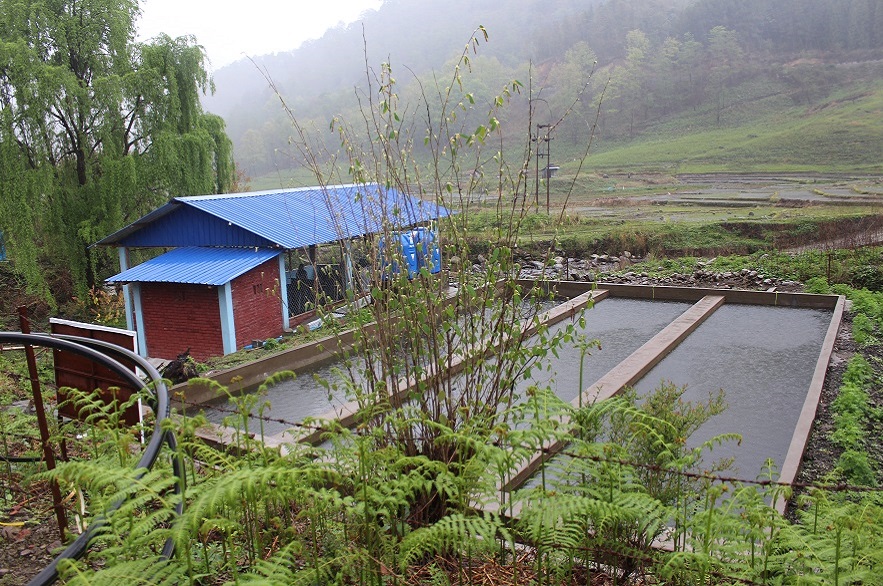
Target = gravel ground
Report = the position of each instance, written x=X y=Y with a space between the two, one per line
x=820 y=456
x=29 y=536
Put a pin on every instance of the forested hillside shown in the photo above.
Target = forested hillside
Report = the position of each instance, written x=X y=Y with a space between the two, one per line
x=689 y=65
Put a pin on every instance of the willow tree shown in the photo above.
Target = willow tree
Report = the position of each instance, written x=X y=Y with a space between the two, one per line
x=95 y=130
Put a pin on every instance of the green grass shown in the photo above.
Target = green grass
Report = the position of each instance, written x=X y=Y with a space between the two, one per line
x=673 y=231
x=840 y=134
x=761 y=130
x=283 y=179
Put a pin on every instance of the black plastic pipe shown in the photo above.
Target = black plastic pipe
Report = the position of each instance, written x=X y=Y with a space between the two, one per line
x=161 y=406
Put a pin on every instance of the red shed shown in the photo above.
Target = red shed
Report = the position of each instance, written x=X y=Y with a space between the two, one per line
x=211 y=300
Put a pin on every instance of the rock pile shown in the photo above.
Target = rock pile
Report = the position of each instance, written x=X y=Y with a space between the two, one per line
x=613 y=269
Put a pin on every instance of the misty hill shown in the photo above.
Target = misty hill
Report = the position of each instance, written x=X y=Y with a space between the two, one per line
x=662 y=66
x=418 y=33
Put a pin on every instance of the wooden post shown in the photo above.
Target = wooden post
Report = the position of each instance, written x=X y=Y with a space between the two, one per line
x=48 y=454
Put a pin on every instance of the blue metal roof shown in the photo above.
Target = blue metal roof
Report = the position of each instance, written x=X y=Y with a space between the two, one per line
x=197 y=265
x=286 y=218
x=182 y=225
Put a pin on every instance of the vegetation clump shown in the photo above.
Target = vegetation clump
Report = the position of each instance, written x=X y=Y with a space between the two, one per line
x=95 y=131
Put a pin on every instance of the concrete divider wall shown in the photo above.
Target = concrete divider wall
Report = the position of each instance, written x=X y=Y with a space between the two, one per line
x=626 y=373
x=651 y=353
x=800 y=438
x=690 y=294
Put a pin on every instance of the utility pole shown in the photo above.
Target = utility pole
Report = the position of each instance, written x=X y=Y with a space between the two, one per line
x=546 y=139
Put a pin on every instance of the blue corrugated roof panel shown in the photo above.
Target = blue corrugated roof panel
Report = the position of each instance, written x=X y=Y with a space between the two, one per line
x=197 y=265
x=288 y=218
x=295 y=218
x=187 y=226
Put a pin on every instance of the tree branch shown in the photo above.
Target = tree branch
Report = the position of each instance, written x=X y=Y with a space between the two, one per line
x=127 y=144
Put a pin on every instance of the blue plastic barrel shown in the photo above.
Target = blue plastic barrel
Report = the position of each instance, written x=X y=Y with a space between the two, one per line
x=428 y=251
x=402 y=254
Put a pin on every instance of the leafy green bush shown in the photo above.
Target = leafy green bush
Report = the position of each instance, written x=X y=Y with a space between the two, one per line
x=856 y=468
x=863 y=330
x=868 y=277
x=817 y=285
x=851 y=410
x=858 y=371
x=866 y=302
x=841 y=289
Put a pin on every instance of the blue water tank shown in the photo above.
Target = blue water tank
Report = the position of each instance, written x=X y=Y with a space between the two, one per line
x=428 y=251
x=402 y=254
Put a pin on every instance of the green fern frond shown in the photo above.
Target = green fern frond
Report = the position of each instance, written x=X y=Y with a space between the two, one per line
x=685 y=564
x=152 y=571
x=275 y=379
x=452 y=534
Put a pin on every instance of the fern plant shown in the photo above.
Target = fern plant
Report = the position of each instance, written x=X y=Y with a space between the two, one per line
x=596 y=507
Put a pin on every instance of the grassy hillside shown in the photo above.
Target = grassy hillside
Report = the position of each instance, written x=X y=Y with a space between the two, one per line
x=837 y=133
x=842 y=133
